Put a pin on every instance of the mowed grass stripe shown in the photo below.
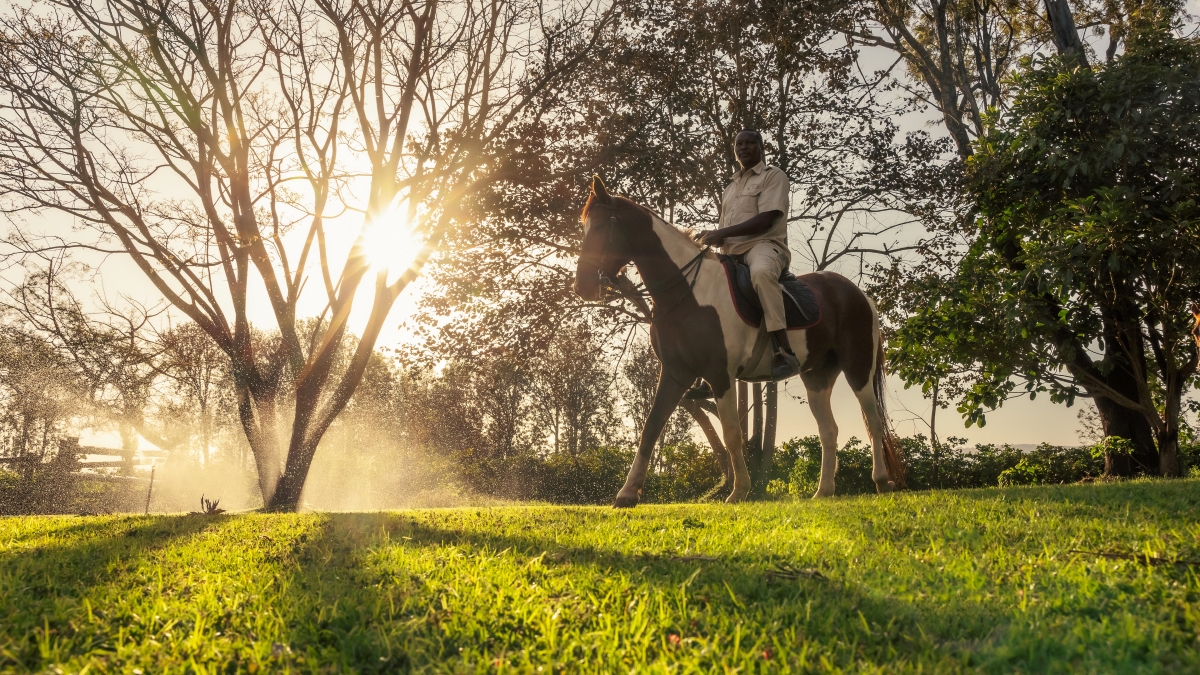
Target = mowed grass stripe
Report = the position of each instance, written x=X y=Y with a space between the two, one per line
x=977 y=580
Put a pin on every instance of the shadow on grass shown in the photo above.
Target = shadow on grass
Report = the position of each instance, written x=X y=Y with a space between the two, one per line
x=738 y=592
x=42 y=585
x=390 y=617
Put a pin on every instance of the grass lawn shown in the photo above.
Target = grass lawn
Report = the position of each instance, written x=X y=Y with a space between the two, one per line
x=988 y=580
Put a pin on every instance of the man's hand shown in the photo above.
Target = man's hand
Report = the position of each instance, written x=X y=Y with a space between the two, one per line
x=710 y=238
x=752 y=226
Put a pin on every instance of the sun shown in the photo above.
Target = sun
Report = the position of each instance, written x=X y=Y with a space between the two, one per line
x=390 y=243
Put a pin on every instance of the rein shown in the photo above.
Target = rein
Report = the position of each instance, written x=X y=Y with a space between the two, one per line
x=643 y=290
x=692 y=267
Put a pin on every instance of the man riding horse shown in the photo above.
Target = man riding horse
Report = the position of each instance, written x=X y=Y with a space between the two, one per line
x=698 y=331
x=753 y=227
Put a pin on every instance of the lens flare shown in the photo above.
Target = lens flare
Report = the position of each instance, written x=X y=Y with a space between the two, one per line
x=389 y=243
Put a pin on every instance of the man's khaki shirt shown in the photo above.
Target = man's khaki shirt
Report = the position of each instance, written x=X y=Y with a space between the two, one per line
x=752 y=191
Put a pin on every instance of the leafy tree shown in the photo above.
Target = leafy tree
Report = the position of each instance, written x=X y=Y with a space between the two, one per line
x=1084 y=255
x=572 y=393
x=960 y=56
x=38 y=395
x=960 y=53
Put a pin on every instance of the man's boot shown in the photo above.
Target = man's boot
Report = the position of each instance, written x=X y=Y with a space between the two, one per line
x=785 y=364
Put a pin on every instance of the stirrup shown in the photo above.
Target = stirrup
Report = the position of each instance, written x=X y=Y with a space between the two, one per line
x=789 y=367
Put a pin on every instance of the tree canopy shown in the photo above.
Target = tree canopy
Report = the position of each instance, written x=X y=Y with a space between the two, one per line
x=1083 y=247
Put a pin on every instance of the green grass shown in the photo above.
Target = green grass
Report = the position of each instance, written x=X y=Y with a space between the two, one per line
x=977 y=580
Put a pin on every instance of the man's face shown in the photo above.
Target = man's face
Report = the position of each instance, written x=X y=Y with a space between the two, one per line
x=747 y=149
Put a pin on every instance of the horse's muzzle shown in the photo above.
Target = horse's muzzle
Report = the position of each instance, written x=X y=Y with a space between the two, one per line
x=592 y=287
x=586 y=289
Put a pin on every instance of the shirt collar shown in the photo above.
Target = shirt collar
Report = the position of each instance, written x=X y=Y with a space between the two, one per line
x=756 y=169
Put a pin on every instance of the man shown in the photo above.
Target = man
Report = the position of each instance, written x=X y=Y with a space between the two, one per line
x=753 y=225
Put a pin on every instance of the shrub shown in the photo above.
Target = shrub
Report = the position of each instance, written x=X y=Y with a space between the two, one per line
x=681 y=472
x=685 y=471
x=949 y=465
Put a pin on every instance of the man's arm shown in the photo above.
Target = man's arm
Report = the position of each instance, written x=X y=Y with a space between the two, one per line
x=755 y=225
x=773 y=200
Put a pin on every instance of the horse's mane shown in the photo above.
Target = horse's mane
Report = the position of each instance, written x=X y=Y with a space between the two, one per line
x=618 y=202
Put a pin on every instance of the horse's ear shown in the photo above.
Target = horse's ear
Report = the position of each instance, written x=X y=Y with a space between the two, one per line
x=598 y=188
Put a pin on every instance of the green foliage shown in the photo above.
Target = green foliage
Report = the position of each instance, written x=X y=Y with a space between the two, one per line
x=1112 y=445
x=1049 y=464
x=981 y=581
x=681 y=472
x=1085 y=234
x=798 y=462
x=684 y=472
x=950 y=465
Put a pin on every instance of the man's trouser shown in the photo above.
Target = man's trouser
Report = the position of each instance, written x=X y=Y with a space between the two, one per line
x=767 y=260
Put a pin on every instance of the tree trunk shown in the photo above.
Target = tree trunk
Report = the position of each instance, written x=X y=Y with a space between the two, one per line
x=1121 y=422
x=714 y=439
x=291 y=484
x=758 y=409
x=1116 y=419
x=743 y=397
x=936 y=479
x=1168 y=445
x=772 y=423
x=257 y=415
x=129 y=446
x=755 y=449
x=1066 y=33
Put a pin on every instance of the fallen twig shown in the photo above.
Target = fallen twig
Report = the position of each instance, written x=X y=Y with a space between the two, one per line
x=787 y=571
x=1138 y=557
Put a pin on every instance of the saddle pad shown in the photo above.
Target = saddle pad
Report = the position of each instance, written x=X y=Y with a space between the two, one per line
x=800 y=304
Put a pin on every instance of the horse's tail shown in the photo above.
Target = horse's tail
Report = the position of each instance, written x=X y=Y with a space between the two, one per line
x=891 y=445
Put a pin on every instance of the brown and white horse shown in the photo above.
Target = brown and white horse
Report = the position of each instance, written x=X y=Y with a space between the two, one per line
x=696 y=332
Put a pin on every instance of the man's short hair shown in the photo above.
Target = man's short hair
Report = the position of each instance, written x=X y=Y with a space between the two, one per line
x=753 y=132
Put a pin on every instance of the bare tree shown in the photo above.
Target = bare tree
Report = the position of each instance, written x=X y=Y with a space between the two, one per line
x=198 y=375
x=216 y=144
x=106 y=351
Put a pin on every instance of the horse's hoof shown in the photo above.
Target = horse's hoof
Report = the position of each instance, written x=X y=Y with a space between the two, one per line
x=822 y=494
x=625 y=502
x=737 y=496
x=884 y=487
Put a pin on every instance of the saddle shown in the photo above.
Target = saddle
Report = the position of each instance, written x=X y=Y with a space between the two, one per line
x=800 y=304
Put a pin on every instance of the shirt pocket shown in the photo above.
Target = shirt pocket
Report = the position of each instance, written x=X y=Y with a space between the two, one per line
x=752 y=189
x=748 y=196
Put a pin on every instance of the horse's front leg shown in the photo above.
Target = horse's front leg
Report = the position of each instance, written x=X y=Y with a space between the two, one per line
x=666 y=399
x=731 y=426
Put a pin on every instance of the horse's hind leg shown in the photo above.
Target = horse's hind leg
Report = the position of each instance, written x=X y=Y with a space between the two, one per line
x=877 y=428
x=666 y=398
x=731 y=427
x=819 y=391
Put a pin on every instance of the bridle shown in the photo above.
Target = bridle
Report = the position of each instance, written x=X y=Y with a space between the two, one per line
x=622 y=286
x=608 y=286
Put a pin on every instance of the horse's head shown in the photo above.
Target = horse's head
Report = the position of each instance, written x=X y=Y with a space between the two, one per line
x=606 y=243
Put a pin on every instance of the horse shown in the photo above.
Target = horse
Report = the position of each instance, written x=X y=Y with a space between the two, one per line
x=697 y=333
